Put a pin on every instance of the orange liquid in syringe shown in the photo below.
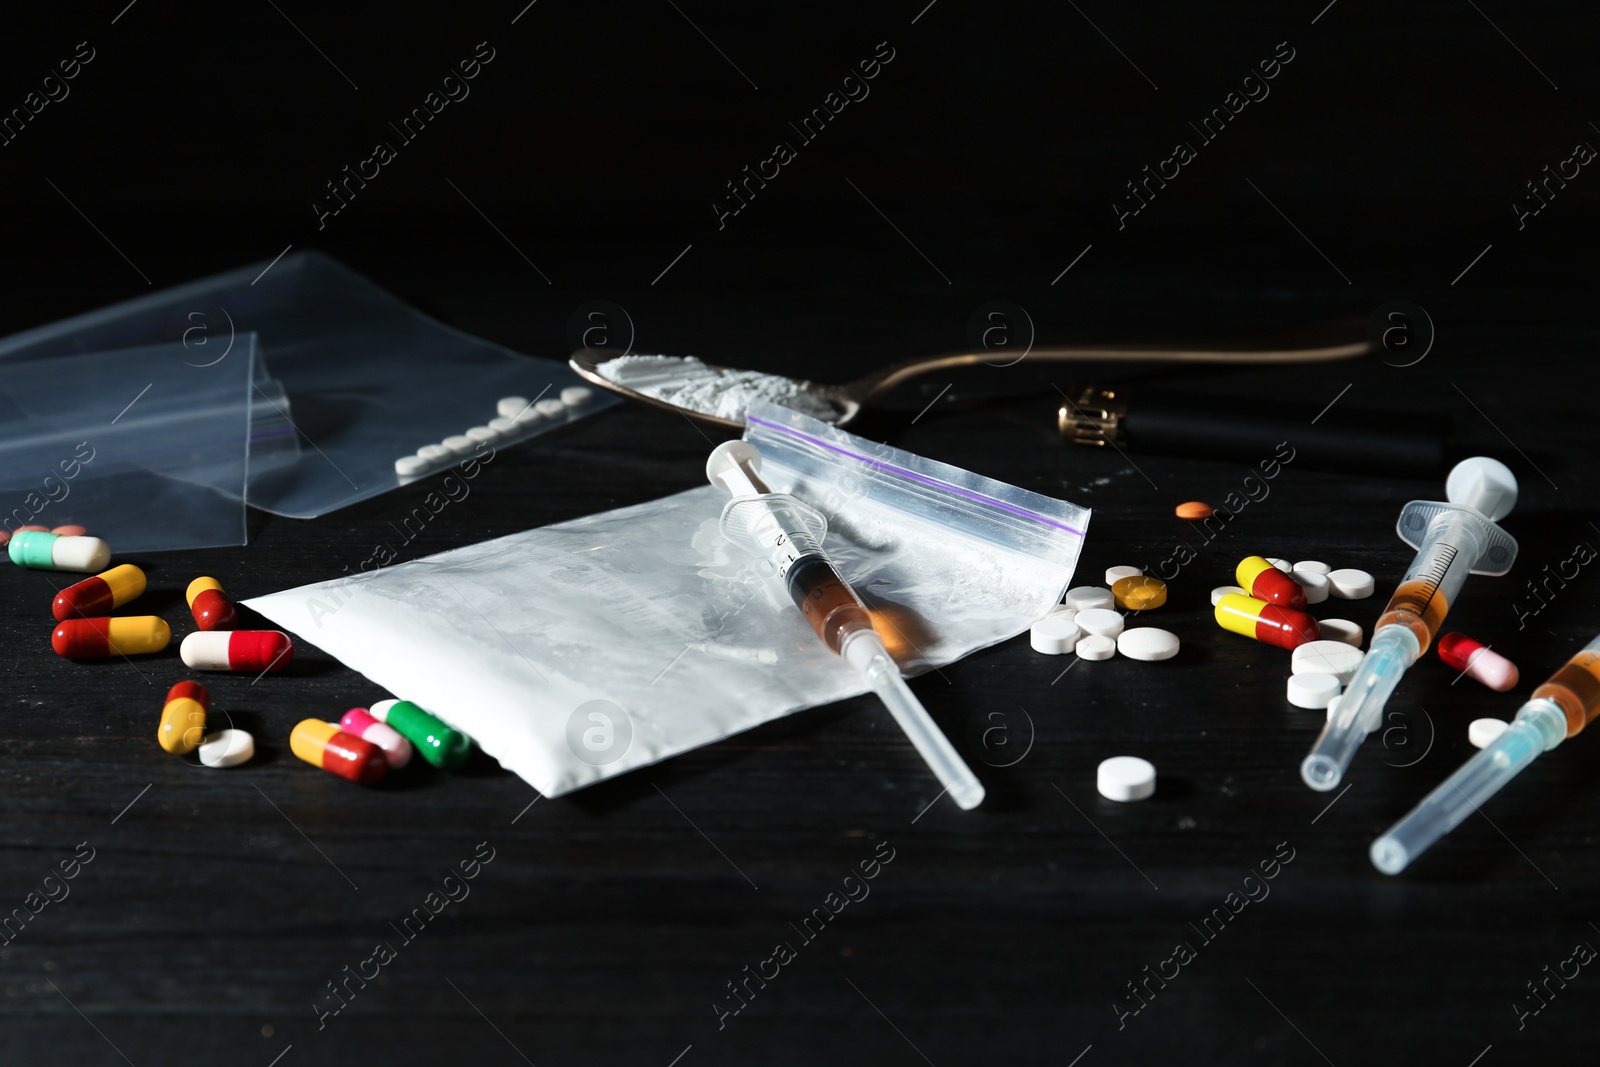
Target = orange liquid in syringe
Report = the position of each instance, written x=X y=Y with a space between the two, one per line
x=1576 y=689
x=1419 y=607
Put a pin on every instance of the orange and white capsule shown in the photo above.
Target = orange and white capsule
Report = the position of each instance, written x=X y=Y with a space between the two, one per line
x=99 y=595
x=183 y=718
x=210 y=606
x=1263 y=581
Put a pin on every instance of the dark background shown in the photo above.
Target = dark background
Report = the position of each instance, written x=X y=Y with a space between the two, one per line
x=581 y=166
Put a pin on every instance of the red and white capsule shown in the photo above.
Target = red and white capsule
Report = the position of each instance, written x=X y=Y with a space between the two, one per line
x=237 y=650
x=396 y=749
x=1478 y=662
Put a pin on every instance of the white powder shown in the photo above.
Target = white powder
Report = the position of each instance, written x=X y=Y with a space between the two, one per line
x=725 y=393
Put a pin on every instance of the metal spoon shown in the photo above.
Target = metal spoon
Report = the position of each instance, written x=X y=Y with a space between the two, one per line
x=849 y=399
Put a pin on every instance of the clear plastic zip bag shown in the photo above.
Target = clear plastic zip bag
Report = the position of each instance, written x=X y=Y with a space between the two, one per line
x=139 y=445
x=577 y=651
x=368 y=378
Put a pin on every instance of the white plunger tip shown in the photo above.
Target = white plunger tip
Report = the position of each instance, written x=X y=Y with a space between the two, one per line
x=731 y=456
x=1485 y=485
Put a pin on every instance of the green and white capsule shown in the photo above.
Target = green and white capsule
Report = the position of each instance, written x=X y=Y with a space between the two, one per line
x=59 y=552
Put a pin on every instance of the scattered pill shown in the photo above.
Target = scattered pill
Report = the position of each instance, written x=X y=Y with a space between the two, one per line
x=359 y=723
x=1099 y=621
x=527 y=416
x=210 y=606
x=1478 y=662
x=1062 y=611
x=1268 y=623
x=433 y=453
x=237 y=650
x=1282 y=564
x=1312 y=565
x=99 y=595
x=227 y=748
x=550 y=407
x=1089 y=596
x=1341 y=630
x=1116 y=574
x=1350 y=584
x=44 y=550
x=1312 y=690
x=573 y=395
x=460 y=444
x=1484 y=732
x=481 y=435
x=183 y=718
x=33 y=528
x=510 y=407
x=1223 y=590
x=70 y=530
x=322 y=744
x=128 y=635
x=409 y=466
x=1193 y=510
x=1054 y=635
x=1139 y=593
x=502 y=425
x=1263 y=581
x=1125 y=778
x=1096 y=647
x=441 y=745
x=1314 y=583
x=1327 y=657
x=1147 y=643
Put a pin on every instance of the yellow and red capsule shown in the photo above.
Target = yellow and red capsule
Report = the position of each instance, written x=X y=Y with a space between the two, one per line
x=183 y=718
x=210 y=606
x=129 y=635
x=322 y=744
x=1265 y=582
x=1260 y=621
x=99 y=595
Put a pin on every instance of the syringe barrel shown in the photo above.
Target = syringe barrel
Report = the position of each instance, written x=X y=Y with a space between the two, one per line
x=1539 y=725
x=1575 y=687
x=826 y=600
x=1361 y=708
x=1447 y=548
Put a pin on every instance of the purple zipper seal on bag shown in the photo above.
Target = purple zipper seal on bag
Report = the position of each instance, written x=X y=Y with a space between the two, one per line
x=914 y=476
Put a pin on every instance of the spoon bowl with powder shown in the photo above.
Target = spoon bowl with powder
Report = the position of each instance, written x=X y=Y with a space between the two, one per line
x=722 y=395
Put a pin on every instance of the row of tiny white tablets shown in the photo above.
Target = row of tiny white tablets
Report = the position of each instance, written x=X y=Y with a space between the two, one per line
x=516 y=417
x=1321 y=581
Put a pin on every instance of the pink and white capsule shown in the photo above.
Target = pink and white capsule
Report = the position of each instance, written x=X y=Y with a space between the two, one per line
x=396 y=749
x=1478 y=662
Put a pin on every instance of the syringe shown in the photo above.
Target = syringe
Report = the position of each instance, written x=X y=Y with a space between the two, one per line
x=1558 y=709
x=789 y=534
x=1452 y=540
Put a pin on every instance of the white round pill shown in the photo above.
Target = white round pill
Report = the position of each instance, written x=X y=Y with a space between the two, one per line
x=1089 y=596
x=1350 y=584
x=550 y=407
x=1326 y=657
x=1282 y=564
x=482 y=434
x=433 y=453
x=1340 y=630
x=1313 y=565
x=1062 y=611
x=1483 y=732
x=573 y=395
x=1147 y=643
x=1096 y=647
x=1102 y=622
x=460 y=444
x=1116 y=574
x=528 y=416
x=1314 y=583
x=1054 y=635
x=227 y=748
x=1125 y=778
x=1223 y=590
x=406 y=466
x=511 y=406
x=502 y=425
x=1312 y=690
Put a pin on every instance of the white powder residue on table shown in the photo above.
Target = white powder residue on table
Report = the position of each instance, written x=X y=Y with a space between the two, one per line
x=723 y=392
